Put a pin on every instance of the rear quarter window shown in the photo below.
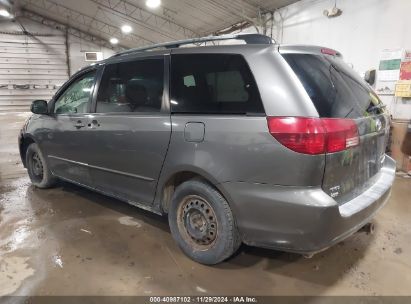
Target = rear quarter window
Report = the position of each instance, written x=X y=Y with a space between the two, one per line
x=213 y=84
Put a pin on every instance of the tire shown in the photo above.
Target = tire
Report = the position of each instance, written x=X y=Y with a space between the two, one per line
x=202 y=223
x=38 y=169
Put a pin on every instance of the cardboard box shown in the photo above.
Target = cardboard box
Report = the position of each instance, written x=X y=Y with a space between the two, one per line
x=401 y=145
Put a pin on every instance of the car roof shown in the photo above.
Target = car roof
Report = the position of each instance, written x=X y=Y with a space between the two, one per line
x=242 y=49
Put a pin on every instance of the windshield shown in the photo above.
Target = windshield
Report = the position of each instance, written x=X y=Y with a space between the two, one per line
x=335 y=89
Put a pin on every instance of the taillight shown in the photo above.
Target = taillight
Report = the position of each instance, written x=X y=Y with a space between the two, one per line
x=304 y=135
x=314 y=135
x=341 y=134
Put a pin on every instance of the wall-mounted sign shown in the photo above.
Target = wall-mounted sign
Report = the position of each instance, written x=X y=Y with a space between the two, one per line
x=405 y=70
x=403 y=89
x=389 y=71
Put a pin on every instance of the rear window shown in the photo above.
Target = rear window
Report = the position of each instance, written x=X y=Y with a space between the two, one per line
x=335 y=89
x=213 y=84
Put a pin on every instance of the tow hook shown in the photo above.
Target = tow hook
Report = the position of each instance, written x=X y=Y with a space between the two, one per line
x=368 y=228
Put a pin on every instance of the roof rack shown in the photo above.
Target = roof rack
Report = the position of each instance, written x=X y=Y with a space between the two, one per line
x=248 y=38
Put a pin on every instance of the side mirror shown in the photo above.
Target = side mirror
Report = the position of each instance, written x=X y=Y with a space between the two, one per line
x=370 y=77
x=39 y=107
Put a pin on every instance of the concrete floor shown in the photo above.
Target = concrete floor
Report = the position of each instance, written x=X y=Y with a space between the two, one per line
x=71 y=241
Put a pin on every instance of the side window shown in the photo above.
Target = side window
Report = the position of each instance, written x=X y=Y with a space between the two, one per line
x=76 y=97
x=227 y=86
x=132 y=87
x=213 y=84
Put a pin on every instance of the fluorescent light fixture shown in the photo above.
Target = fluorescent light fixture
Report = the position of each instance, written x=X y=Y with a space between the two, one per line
x=153 y=3
x=126 y=29
x=4 y=13
x=113 y=40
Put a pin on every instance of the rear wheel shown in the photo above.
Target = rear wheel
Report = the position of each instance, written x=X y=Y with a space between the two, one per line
x=37 y=168
x=202 y=223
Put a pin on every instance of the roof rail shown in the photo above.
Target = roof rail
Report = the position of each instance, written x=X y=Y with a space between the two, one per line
x=248 y=38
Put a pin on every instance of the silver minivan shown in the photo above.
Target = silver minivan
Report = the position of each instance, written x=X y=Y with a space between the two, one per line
x=269 y=145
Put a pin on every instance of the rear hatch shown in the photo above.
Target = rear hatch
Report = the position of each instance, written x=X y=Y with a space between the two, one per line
x=337 y=91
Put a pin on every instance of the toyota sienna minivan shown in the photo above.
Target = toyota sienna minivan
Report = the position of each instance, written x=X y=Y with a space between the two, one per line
x=276 y=146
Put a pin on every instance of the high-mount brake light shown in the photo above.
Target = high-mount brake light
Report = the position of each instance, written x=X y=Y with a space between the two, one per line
x=329 y=51
x=314 y=135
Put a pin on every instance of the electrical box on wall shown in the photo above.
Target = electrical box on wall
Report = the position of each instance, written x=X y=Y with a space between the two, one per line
x=93 y=56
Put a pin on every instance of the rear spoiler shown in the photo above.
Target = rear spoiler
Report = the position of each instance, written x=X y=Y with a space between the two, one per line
x=307 y=49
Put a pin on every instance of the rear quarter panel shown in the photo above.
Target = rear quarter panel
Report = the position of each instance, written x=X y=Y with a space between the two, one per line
x=238 y=149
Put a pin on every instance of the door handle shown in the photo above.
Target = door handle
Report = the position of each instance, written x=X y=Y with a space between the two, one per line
x=79 y=124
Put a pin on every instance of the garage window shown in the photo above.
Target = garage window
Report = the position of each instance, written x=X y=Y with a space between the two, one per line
x=213 y=84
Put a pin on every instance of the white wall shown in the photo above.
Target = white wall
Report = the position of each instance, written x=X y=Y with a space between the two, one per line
x=77 y=48
x=364 y=29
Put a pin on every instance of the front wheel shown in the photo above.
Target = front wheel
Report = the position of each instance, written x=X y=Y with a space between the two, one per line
x=202 y=223
x=37 y=168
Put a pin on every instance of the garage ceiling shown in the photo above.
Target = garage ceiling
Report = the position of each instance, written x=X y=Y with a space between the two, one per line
x=175 y=19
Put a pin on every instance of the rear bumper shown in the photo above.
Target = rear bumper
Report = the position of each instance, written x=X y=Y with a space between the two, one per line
x=302 y=219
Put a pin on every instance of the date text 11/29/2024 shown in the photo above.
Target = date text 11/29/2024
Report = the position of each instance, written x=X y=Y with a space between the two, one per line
x=203 y=299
